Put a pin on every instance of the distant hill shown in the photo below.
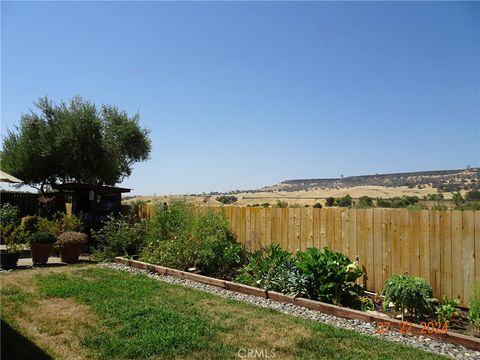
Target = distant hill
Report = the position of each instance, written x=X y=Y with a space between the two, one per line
x=442 y=180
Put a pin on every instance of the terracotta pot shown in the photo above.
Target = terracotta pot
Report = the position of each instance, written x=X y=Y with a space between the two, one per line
x=8 y=260
x=40 y=253
x=70 y=254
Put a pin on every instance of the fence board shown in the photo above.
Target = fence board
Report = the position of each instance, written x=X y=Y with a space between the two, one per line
x=446 y=253
x=457 y=254
x=468 y=252
x=377 y=248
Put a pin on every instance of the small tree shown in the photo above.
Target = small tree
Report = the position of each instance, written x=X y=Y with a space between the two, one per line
x=74 y=142
x=472 y=195
x=226 y=199
x=330 y=201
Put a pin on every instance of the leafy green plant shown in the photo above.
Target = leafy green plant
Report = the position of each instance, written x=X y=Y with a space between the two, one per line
x=9 y=214
x=448 y=310
x=119 y=237
x=13 y=237
x=474 y=303
x=71 y=238
x=59 y=223
x=331 y=276
x=409 y=294
x=262 y=267
x=41 y=238
x=181 y=238
x=29 y=223
x=288 y=279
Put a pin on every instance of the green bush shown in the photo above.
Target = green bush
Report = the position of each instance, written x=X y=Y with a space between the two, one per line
x=364 y=202
x=41 y=238
x=281 y=204
x=9 y=214
x=59 y=223
x=119 y=237
x=171 y=222
x=448 y=310
x=409 y=294
x=29 y=223
x=180 y=238
x=474 y=303
x=330 y=201
x=288 y=279
x=331 y=276
x=227 y=199
x=12 y=237
x=345 y=201
x=262 y=267
x=472 y=195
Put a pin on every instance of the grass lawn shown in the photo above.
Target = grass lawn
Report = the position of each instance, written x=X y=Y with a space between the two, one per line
x=78 y=312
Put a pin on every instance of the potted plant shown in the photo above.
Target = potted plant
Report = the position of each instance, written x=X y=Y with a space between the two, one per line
x=41 y=244
x=70 y=244
x=11 y=237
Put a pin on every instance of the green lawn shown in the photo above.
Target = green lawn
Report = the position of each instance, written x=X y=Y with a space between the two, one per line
x=91 y=312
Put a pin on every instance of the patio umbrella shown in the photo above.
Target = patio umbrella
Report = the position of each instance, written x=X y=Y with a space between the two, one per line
x=4 y=177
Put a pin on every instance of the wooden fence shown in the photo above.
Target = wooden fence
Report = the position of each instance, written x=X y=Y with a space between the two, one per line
x=440 y=246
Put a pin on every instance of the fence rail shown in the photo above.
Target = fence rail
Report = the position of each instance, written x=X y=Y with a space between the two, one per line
x=440 y=246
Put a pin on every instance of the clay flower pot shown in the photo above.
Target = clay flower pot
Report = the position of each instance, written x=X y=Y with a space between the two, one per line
x=70 y=254
x=40 y=253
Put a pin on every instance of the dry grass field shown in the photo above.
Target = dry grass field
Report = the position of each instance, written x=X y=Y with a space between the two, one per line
x=300 y=197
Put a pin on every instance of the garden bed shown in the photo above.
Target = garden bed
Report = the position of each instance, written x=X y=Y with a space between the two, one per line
x=383 y=322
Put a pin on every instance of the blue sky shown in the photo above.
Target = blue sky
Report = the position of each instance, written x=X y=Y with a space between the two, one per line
x=243 y=94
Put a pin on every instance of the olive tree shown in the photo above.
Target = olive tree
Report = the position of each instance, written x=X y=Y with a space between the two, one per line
x=74 y=142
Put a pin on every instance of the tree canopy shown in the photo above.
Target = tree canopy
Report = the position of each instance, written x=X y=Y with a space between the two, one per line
x=74 y=142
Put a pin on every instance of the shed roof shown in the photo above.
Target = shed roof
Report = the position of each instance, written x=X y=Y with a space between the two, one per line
x=99 y=189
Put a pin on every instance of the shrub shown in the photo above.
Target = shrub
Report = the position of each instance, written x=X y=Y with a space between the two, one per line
x=331 y=276
x=289 y=280
x=281 y=204
x=317 y=205
x=170 y=222
x=216 y=251
x=409 y=294
x=226 y=199
x=262 y=267
x=29 y=223
x=12 y=236
x=474 y=303
x=9 y=214
x=178 y=237
x=345 y=201
x=330 y=201
x=72 y=238
x=364 y=202
x=119 y=237
x=472 y=195
x=41 y=238
x=59 y=223
x=266 y=204
x=446 y=311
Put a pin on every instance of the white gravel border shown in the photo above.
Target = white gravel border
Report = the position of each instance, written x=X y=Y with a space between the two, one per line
x=421 y=342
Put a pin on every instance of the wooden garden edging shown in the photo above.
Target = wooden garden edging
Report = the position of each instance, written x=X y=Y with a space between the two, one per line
x=395 y=325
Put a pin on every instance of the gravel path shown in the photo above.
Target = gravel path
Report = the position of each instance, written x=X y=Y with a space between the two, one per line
x=421 y=342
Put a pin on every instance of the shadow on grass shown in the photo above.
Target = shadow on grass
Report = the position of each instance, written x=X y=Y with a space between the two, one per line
x=16 y=346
